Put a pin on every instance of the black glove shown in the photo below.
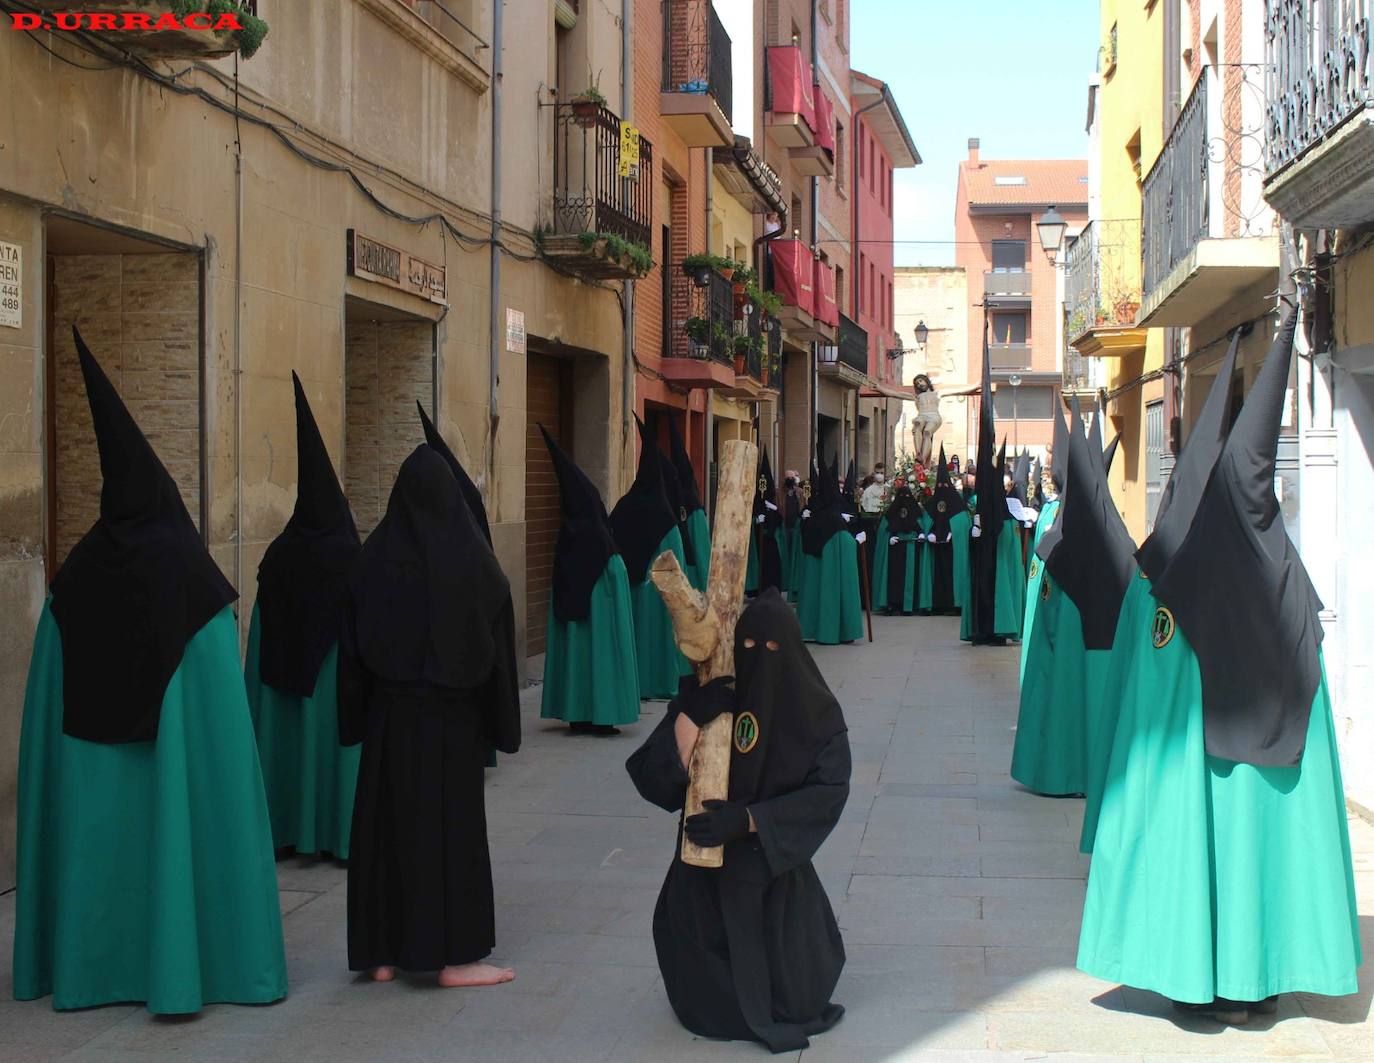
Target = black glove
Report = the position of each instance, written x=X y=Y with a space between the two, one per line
x=721 y=823
x=702 y=704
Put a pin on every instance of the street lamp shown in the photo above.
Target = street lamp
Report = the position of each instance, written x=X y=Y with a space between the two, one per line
x=922 y=334
x=1051 y=228
x=1015 y=381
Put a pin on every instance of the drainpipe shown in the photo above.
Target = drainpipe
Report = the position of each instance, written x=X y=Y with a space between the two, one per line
x=708 y=418
x=815 y=236
x=856 y=270
x=238 y=367
x=627 y=374
x=494 y=309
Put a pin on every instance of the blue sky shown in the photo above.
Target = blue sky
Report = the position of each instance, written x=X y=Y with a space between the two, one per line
x=1011 y=72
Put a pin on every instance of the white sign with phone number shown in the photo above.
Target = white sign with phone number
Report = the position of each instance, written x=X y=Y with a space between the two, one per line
x=11 y=285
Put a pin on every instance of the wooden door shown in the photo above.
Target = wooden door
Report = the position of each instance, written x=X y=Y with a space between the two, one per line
x=547 y=403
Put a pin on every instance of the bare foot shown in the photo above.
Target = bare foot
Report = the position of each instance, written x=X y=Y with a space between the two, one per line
x=383 y=974
x=470 y=974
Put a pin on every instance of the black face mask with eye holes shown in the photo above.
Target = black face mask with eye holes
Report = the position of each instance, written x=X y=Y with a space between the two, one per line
x=784 y=711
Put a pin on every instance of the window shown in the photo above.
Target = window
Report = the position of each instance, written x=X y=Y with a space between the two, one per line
x=841 y=159
x=1009 y=327
x=863 y=142
x=1008 y=256
x=1029 y=402
x=871 y=179
x=859 y=303
x=871 y=300
x=841 y=293
x=889 y=192
x=1009 y=179
x=891 y=314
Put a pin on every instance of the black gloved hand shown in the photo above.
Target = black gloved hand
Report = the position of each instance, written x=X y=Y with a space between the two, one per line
x=702 y=704
x=722 y=822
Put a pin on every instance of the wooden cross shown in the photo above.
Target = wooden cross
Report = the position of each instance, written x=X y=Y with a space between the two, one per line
x=704 y=626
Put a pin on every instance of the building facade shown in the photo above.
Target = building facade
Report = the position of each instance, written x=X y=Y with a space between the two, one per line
x=931 y=308
x=1014 y=287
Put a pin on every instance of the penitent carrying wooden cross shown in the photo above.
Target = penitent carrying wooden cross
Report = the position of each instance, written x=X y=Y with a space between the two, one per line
x=704 y=626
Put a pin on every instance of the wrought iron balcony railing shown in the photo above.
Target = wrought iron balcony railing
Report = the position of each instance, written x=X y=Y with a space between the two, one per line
x=1174 y=195
x=696 y=51
x=702 y=319
x=1102 y=276
x=591 y=194
x=853 y=345
x=1320 y=73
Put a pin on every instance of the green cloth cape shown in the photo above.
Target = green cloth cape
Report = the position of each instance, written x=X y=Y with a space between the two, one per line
x=1050 y=752
x=590 y=673
x=145 y=870
x=309 y=777
x=828 y=605
x=659 y=662
x=1011 y=588
x=1211 y=878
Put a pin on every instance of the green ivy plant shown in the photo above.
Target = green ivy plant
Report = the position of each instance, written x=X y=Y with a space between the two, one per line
x=249 y=39
x=617 y=247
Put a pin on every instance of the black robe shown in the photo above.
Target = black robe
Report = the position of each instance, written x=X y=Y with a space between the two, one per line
x=945 y=504
x=903 y=518
x=752 y=951
x=765 y=532
x=426 y=682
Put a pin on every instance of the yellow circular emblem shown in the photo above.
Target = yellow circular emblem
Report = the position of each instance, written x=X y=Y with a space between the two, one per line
x=1163 y=629
x=1035 y=567
x=941 y=505
x=1142 y=575
x=746 y=731
x=1045 y=586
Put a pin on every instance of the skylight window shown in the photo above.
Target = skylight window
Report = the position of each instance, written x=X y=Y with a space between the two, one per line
x=1013 y=179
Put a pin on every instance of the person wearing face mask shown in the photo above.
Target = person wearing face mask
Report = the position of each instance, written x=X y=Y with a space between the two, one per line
x=751 y=951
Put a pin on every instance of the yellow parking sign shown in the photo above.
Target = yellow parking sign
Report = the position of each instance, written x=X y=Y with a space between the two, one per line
x=629 y=150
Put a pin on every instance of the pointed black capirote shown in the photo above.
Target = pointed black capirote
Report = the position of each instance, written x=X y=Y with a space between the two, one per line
x=991 y=511
x=471 y=495
x=1059 y=460
x=1179 y=501
x=827 y=514
x=643 y=516
x=1109 y=455
x=135 y=589
x=303 y=577
x=945 y=502
x=1238 y=590
x=1020 y=478
x=1093 y=558
x=1063 y=462
x=686 y=475
x=585 y=543
x=677 y=501
x=851 y=488
x=765 y=491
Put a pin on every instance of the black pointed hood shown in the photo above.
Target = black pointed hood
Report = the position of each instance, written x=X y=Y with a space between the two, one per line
x=1238 y=590
x=1093 y=558
x=904 y=512
x=991 y=513
x=136 y=588
x=303 y=577
x=851 y=489
x=827 y=516
x=1020 y=478
x=945 y=502
x=686 y=475
x=585 y=543
x=672 y=490
x=1109 y=455
x=1179 y=501
x=1059 y=460
x=1064 y=458
x=765 y=491
x=471 y=496
x=643 y=516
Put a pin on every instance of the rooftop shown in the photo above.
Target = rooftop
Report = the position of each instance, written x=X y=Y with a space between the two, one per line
x=1024 y=182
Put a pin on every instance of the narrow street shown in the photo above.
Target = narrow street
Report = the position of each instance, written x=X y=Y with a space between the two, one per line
x=959 y=896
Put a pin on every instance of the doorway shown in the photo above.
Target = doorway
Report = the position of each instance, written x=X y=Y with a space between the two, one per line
x=548 y=398
x=389 y=359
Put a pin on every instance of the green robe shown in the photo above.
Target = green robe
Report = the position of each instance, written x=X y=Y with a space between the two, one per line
x=879 y=573
x=914 y=545
x=700 y=530
x=960 y=526
x=1211 y=878
x=657 y=658
x=145 y=870
x=1011 y=588
x=590 y=674
x=1034 y=576
x=309 y=777
x=829 y=606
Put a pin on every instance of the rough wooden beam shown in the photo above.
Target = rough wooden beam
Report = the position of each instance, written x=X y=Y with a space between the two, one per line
x=704 y=627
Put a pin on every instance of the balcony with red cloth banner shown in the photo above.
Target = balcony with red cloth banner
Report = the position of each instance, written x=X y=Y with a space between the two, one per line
x=807 y=313
x=790 y=111
x=818 y=159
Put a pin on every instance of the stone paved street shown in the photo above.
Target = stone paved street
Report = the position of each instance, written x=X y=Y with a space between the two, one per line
x=958 y=893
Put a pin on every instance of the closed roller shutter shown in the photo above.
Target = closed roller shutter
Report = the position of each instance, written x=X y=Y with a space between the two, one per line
x=547 y=405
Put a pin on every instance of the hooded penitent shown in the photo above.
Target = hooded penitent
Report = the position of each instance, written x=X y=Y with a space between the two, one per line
x=765 y=540
x=686 y=475
x=135 y=589
x=850 y=500
x=1109 y=455
x=826 y=513
x=944 y=503
x=427 y=589
x=303 y=577
x=584 y=537
x=903 y=520
x=471 y=495
x=991 y=512
x=1092 y=561
x=1238 y=590
x=643 y=516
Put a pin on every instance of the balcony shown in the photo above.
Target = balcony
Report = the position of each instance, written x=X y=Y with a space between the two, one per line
x=1319 y=147
x=701 y=330
x=149 y=30
x=1010 y=287
x=1208 y=241
x=790 y=111
x=1083 y=375
x=762 y=355
x=601 y=208
x=695 y=100
x=1102 y=289
x=847 y=359
x=818 y=160
x=790 y=271
x=1005 y=357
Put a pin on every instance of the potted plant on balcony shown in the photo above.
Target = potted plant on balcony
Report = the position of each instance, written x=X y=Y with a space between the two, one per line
x=699 y=267
x=722 y=341
x=586 y=103
x=698 y=331
x=743 y=344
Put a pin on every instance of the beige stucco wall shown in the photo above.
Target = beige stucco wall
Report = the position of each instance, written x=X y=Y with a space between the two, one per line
x=937 y=295
x=112 y=148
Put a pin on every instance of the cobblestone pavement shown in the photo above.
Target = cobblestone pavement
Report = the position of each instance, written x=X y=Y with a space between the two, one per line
x=959 y=895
